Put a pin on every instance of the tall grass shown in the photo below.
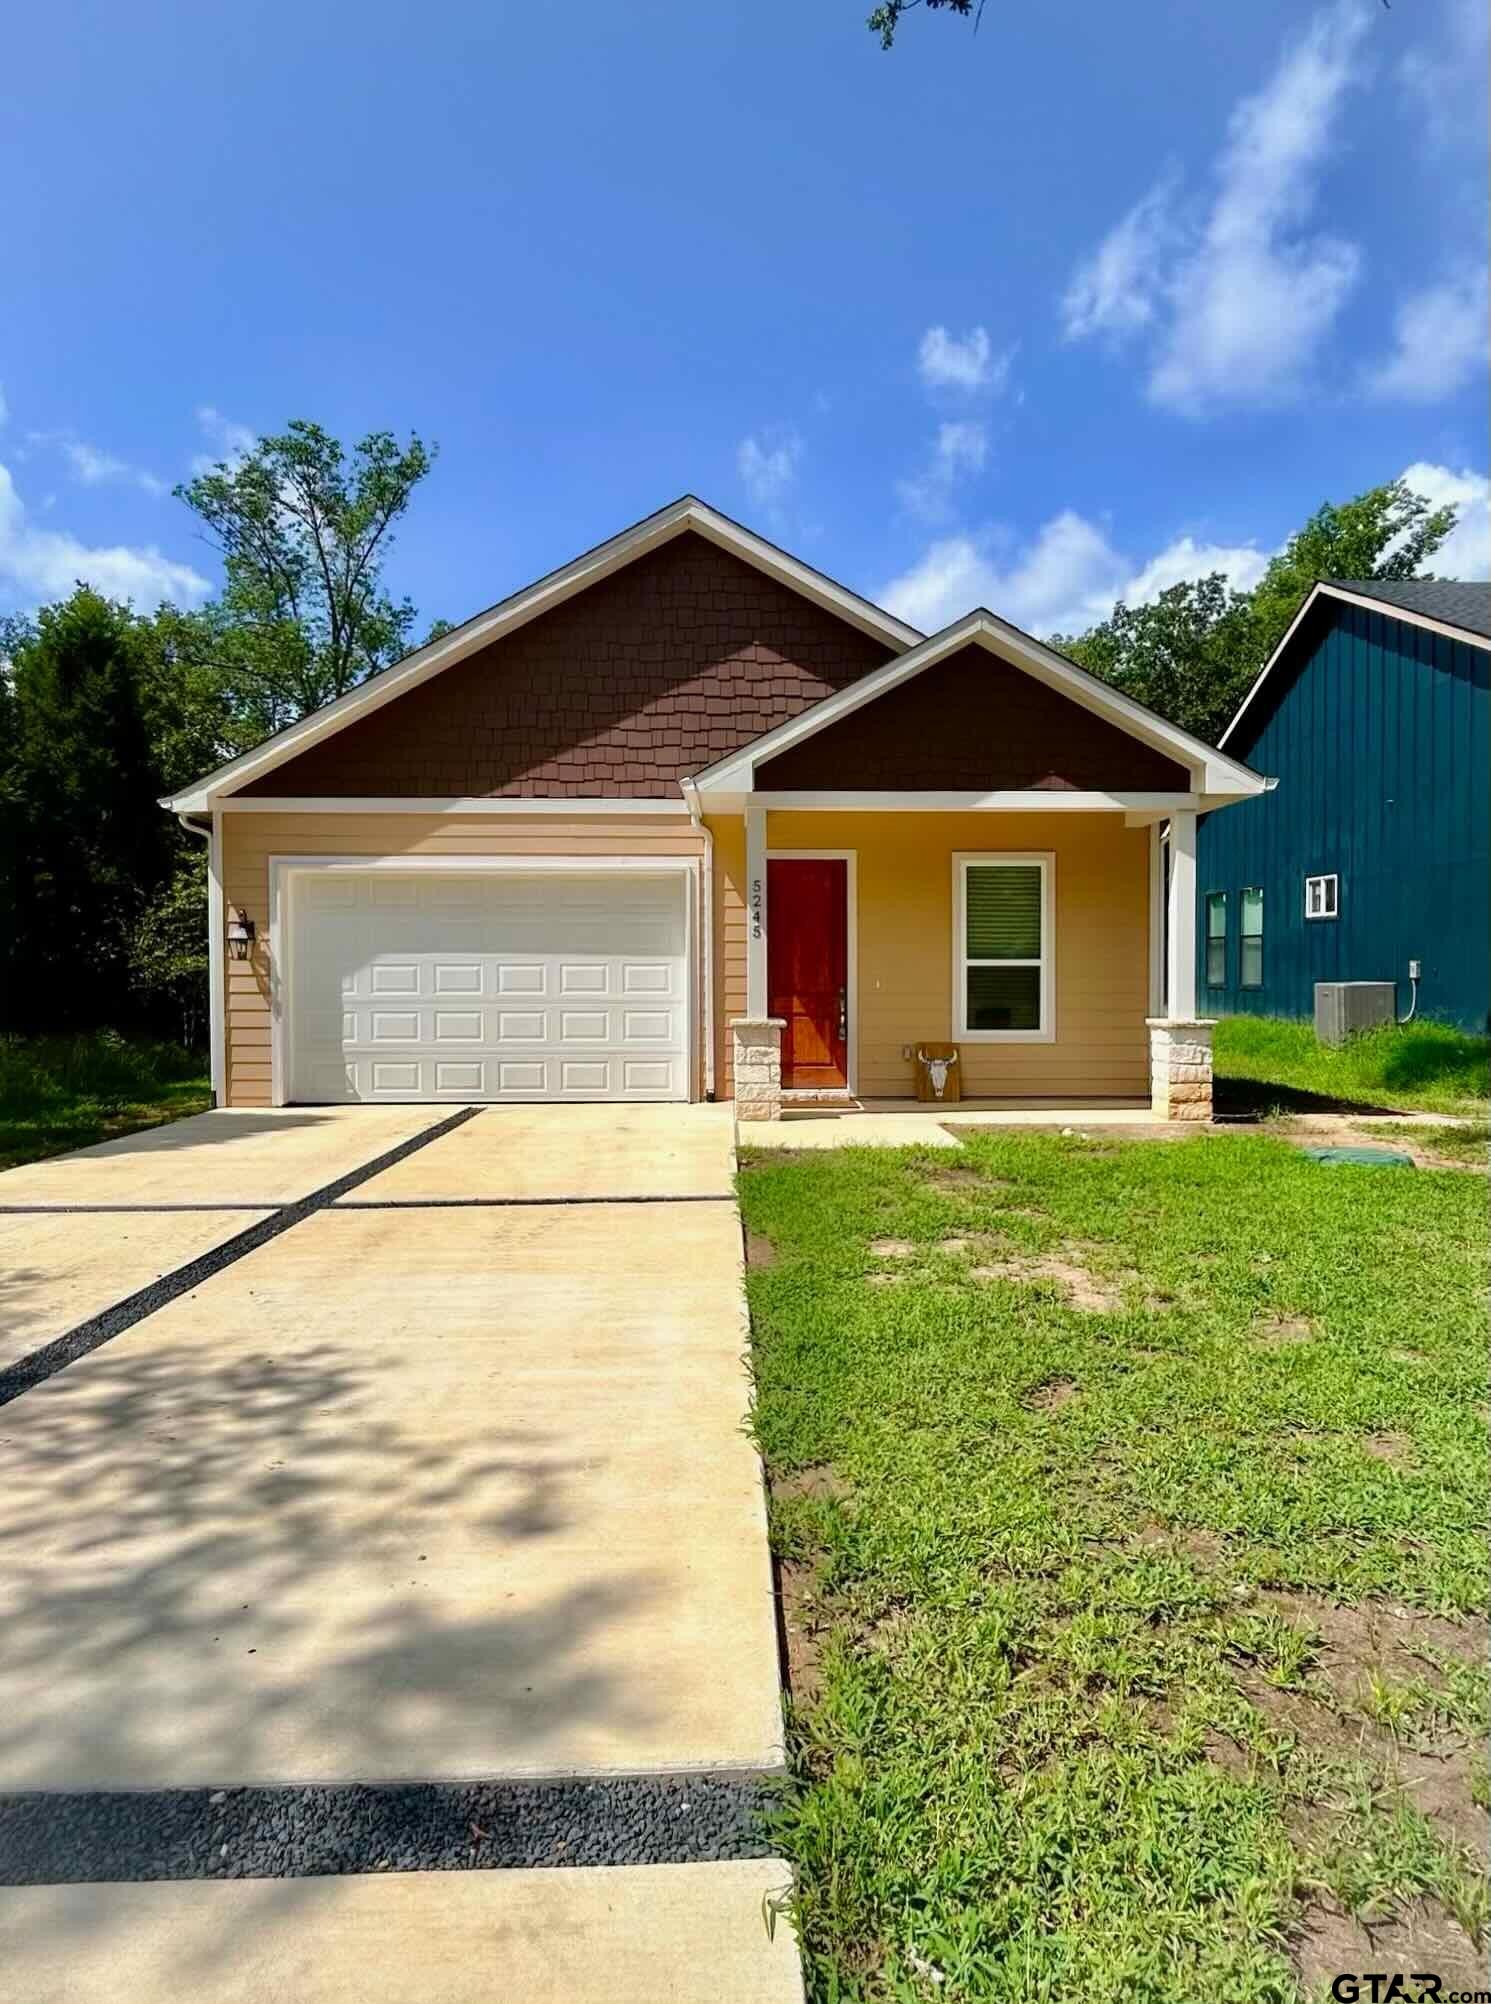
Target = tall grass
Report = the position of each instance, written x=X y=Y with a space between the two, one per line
x=1424 y=1065
x=65 y=1092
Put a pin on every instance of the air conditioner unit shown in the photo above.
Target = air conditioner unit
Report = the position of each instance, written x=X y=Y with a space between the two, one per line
x=1344 y=1007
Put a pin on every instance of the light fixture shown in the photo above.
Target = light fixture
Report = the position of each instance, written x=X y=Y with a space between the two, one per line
x=240 y=935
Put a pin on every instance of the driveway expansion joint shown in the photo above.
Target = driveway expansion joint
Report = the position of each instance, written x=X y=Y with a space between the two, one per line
x=519 y=1203
x=32 y=1370
x=322 y=1830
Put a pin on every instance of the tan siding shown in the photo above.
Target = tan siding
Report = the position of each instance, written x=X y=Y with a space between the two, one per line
x=730 y=941
x=250 y=840
x=905 y=945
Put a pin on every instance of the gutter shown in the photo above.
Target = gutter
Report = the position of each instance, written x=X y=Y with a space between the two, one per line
x=691 y=800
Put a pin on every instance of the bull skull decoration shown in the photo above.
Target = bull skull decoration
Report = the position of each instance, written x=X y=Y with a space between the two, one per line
x=937 y=1071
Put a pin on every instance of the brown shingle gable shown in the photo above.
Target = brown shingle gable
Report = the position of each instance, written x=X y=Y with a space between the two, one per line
x=972 y=723
x=655 y=672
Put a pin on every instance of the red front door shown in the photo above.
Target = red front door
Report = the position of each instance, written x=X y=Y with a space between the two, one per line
x=807 y=967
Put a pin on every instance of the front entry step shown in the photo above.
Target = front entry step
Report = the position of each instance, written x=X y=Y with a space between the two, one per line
x=643 y=1934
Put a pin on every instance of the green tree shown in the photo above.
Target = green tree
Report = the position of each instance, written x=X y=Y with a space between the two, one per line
x=91 y=847
x=1388 y=532
x=886 y=18
x=168 y=947
x=1185 y=654
x=303 y=528
x=1192 y=653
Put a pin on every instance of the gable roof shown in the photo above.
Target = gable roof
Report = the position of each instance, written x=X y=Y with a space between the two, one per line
x=1442 y=605
x=688 y=514
x=1444 y=600
x=1212 y=772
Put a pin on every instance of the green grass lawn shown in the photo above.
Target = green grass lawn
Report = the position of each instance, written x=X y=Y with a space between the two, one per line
x=1130 y=1504
x=1425 y=1066
x=58 y=1093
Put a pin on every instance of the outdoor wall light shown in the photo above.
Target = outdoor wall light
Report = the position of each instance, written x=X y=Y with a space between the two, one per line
x=240 y=935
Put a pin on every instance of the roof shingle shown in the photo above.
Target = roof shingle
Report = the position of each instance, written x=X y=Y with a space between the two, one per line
x=1467 y=606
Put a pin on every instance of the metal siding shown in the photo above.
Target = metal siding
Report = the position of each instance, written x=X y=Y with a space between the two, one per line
x=1382 y=747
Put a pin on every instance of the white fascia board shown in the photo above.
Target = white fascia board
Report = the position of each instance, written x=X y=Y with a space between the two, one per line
x=1367 y=604
x=668 y=810
x=1209 y=770
x=521 y=607
x=1033 y=800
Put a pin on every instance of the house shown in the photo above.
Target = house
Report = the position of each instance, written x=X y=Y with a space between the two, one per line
x=687 y=819
x=1369 y=862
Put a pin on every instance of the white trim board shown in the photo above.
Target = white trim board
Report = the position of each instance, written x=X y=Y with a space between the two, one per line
x=679 y=517
x=1366 y=604
x=659 y=810
x=284 y=869
x=849 y=857
x=1209 y=770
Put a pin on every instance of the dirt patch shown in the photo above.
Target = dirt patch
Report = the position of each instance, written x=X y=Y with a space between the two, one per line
x=1439 y=1786
x=760 y=1252
x=961 y=1178
x=1051 y=1396
x=820 y=1479
x=1396 y=1449
x=1421 y=1936
x=1408 y=1356
x=885 y=1279
x=1280 y=1332
x=1082 y=1289
x=892 y=1248
x=801 y=1633
x=1377 y=1636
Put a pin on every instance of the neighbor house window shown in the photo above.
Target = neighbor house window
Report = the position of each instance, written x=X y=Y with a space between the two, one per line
x=1002 y=947
x=1321 y=894
x=1250 y=940
x=1216 y=939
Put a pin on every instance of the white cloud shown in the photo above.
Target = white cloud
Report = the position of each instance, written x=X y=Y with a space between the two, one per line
x=231 y=442
x=946 y=363
x=1065 y=579
x=37 y=565
x=1238 y=297
x=94 y=466
x=959 y=449
x=1466 y=551
x=1440 y=341
x=1116 y=290
x=1444 y=74
x=768 y=466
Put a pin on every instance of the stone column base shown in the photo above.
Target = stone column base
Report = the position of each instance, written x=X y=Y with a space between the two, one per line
x=757 y=1045
x=1180 y=1067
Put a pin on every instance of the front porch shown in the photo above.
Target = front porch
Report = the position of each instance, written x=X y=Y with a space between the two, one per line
x=855 y=937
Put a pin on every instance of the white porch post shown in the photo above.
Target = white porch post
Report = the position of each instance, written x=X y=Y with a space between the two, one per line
x=756 y=916
x=1180 y=1065
x=1181 y=1002
x=756 y=1038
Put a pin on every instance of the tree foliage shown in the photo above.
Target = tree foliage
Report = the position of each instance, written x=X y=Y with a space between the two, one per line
x=303 y=528
x=168 y=947
x=1192 y=654
x=886 y=18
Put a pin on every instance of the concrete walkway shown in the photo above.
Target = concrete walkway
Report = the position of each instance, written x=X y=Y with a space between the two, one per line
x=447 y=1482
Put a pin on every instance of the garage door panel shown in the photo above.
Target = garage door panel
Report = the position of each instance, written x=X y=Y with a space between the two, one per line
x=487 y=987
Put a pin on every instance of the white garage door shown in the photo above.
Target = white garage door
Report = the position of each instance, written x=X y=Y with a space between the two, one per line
x=485 y=985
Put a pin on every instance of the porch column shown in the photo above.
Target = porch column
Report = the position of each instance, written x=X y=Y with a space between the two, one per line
x=1180 y=994
x=1180 y=1066
x=756 y=997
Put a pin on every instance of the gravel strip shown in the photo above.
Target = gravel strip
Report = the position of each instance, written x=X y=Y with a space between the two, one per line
x=55 y=1356
x=293 y=1833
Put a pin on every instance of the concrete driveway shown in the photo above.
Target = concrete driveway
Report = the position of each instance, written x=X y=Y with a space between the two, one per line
x=444 y=1481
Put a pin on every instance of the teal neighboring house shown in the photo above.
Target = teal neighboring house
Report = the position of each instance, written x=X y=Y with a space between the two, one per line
x=1371 y=854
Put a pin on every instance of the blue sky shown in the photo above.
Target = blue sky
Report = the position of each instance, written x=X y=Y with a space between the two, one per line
x=1094 y=299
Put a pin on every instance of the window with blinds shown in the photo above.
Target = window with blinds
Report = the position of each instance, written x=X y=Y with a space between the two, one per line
x=1003 y=950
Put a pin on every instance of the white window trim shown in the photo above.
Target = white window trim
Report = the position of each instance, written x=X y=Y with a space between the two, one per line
x=1332 y=878
x=962 y=860
x=284 y=871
